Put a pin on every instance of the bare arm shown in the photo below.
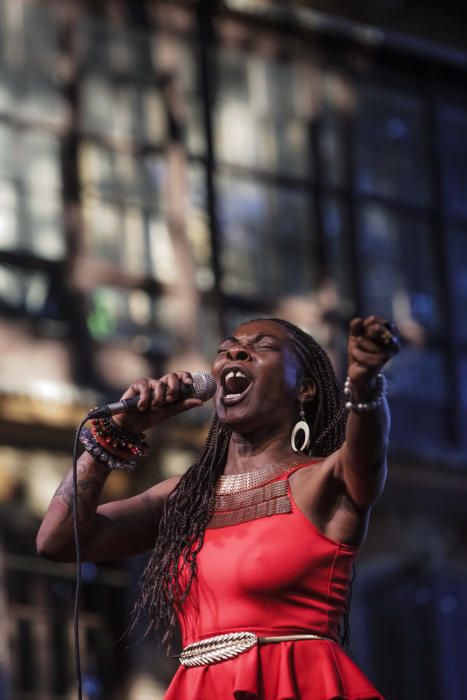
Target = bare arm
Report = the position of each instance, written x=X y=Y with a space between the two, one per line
x=109 y=531
x=120 y=528
x=361 y=461
x=55 y=536
x=362 y=458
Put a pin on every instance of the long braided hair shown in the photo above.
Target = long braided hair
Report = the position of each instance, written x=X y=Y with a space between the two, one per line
x=189 y=507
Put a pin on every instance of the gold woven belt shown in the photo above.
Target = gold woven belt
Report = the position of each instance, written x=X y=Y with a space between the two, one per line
x=227 y=646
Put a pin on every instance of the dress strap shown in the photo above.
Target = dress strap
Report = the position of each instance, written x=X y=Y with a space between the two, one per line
x=309 y=461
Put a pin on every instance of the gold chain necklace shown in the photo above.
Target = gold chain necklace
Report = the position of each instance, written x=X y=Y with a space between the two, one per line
x=236 y=483
x=240 y=498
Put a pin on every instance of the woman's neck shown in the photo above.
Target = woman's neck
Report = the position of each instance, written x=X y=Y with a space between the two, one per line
x=252 y=452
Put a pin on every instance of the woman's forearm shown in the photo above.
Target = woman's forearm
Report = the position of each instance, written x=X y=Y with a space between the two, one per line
x=55 y=539
x=366 y=438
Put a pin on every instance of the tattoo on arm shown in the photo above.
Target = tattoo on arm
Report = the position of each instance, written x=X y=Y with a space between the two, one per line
x=86 y=503
x=65 y=491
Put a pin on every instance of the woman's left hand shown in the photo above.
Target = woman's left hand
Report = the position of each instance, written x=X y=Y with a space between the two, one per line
x=373 y=341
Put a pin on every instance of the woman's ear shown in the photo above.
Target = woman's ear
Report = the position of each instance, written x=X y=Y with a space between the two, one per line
x=307 y=390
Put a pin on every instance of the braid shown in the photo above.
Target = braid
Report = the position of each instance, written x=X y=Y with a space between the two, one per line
x=344 y=628
x=169 y=573
x=325 y=413
x=181 y=534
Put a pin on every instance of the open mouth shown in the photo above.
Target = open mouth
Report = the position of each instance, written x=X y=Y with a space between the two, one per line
x=235 y=385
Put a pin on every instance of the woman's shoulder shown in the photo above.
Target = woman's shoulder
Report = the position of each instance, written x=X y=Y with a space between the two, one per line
x=316 y=483
x=313 y=468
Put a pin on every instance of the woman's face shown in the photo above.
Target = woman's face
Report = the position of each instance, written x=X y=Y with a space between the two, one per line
x=258 y=377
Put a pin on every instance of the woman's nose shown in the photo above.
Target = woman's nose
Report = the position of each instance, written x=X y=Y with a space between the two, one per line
x=238 y=353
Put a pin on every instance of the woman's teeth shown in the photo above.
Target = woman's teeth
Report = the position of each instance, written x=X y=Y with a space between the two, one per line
x=234 y=373
x=235 y=383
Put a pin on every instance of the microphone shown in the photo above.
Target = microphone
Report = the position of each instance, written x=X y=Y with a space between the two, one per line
x=204 y=387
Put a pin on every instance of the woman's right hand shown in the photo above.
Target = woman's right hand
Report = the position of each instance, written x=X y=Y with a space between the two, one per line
x=158 y=399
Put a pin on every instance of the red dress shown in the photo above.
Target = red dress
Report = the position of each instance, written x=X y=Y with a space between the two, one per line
x=274 y=576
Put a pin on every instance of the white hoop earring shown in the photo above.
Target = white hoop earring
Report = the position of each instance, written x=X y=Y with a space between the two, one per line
x=301 y=425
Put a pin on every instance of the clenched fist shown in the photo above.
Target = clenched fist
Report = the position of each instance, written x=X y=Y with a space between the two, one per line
x=373 y=341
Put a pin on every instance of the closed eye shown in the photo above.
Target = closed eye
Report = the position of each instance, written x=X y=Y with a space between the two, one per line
x=266 y=346
x=260 y=342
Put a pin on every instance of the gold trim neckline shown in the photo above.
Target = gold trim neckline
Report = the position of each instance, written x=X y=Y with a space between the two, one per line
x=238 y=483
x=240 y=498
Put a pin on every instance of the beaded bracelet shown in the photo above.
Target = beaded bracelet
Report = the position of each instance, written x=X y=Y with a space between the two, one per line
x=361 y=407
x=109 y=435
x=100 y=454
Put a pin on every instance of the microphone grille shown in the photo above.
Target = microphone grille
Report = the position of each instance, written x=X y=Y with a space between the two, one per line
x=204 y=385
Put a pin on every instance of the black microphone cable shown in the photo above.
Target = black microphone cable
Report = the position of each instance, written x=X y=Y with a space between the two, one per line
x=78 y=560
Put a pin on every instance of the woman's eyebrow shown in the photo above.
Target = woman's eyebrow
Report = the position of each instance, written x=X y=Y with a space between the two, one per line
x=232 y=339
x=254 y=339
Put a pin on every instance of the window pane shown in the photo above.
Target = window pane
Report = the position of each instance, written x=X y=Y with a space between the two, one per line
x=7 y=164
x=31 y=98
x=332 y=149
x=31 y=213
x=150 y=325
x=40 y=41
x=337 y=106
x=121 y=111
x=198 y=230
x=245 y=246
x=453 y=151
x=30 y=156
x=462 y=365
x=40 y=162
x=293 y=231
x=120 y=106
x=391 y=148
x=9 y=216
x=109 y=109
x=116 y=174
x=186 y=251
x=29 y=35
x=32 y=223
x=25 y=293
x=266 y=239
x=115 y=48
x=6 y=91
x=45 y=216
x=257 y=114
x=119 y=313
x=418 y=374
x=400 y=273
x=134 y=236
x=338 y=255
x=104 y=230
x=38 y=99
x=178 y=56
x=153 y=117
x=457 y=252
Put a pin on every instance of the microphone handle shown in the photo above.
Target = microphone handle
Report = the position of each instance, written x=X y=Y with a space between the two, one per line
x=129 y=405
x=123 y=406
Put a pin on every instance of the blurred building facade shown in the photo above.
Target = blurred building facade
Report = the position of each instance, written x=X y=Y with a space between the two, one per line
x=167 y=170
